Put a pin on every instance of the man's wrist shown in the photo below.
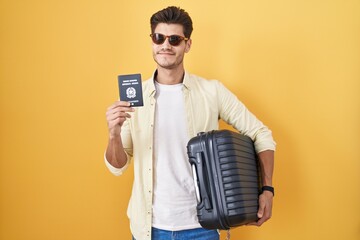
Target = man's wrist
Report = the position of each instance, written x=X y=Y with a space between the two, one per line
x=268 y=188
x=114 y=136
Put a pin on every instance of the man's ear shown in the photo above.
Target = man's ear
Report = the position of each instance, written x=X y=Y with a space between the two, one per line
x=188 y=45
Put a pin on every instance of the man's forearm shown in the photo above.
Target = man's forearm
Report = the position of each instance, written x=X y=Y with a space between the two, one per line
x=266 y=159
x=115 y=153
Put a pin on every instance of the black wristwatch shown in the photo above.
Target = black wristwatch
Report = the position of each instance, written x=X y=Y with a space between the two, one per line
x=268 y=188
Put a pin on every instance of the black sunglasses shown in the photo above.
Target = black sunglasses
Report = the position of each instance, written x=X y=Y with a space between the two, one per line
x=174 y=40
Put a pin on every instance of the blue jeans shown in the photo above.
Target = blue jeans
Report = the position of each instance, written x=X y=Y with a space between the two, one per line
x=192 y=234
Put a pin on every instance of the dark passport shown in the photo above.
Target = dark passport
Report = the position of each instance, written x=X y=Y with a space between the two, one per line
x=130 y=89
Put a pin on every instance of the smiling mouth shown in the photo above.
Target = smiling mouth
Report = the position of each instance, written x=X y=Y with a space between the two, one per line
x=166 y=53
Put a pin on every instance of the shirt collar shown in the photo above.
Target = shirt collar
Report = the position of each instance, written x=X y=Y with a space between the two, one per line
x=186 y=81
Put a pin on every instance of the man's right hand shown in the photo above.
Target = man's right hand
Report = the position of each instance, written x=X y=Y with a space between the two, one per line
x=116 y=115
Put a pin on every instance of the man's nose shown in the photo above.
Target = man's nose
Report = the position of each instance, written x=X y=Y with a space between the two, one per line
x=167 y=43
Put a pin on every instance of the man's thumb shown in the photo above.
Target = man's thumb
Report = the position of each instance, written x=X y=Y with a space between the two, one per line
x=260 y=212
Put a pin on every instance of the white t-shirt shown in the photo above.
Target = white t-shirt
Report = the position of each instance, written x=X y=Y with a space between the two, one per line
x=174 y=201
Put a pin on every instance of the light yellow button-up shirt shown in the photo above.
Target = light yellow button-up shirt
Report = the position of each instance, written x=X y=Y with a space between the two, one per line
x=205 y=103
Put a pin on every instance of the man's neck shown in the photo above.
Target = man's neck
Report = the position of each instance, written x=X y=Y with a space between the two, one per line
x=170 y=76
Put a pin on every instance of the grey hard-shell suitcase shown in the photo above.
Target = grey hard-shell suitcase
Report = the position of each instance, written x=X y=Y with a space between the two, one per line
x=226 y=176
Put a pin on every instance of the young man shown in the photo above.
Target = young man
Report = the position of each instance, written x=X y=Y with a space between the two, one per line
x=177 y=105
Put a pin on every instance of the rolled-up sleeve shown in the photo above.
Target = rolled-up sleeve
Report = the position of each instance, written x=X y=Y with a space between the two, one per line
x=114 y=170
x=235 y=113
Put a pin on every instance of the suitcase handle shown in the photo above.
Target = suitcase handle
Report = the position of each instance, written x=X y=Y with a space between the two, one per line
x=204 y=185
x=196 y=183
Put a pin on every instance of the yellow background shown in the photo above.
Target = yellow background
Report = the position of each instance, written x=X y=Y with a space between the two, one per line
x=295 y=64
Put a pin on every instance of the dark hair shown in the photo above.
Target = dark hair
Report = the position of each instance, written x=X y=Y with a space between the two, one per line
x=173 y=15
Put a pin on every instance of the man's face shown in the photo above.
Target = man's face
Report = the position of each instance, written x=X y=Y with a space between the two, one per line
x=166 y=55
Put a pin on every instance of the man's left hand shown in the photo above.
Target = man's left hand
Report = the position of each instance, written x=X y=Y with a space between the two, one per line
x=265 y=208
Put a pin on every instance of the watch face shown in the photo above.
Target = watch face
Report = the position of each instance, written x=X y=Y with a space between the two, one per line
x=268 y=188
